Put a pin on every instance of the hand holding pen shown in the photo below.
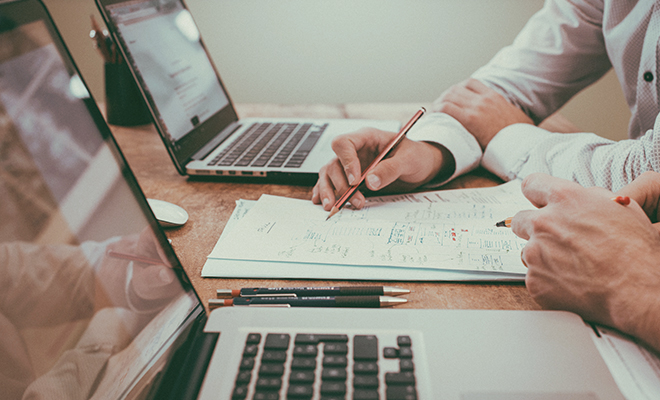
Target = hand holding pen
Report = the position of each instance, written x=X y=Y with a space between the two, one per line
x=411 y=164
x=384 y=153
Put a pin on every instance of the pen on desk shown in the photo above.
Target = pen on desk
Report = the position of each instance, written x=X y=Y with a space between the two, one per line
x=390 y=146
x=623 y=200
x=318 y=301
x=133 y=257
x=313 y=291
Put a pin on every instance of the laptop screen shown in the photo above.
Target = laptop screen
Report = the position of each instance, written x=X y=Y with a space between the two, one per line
x=92 y=295
x=165 y=50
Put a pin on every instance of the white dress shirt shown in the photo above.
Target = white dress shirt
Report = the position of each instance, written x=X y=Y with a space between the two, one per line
x=566 y=46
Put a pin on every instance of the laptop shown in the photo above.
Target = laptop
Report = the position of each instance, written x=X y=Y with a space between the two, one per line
x=95 y=304
x=193 y=112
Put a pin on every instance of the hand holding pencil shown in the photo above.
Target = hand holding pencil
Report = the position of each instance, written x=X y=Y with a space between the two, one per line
x=411 y=164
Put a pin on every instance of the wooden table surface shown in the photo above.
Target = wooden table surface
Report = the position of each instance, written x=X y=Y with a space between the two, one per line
x=210 y=203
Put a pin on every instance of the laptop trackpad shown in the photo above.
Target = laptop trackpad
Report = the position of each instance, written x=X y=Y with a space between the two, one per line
x=528 y=396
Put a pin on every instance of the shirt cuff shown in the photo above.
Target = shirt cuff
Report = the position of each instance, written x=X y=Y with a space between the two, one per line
x=446 y=131
x=509 y=150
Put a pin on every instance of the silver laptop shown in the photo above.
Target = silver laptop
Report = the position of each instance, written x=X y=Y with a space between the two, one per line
x=192 y=109
x=95 y=303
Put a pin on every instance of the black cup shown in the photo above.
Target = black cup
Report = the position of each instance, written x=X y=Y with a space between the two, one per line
x=123 y=100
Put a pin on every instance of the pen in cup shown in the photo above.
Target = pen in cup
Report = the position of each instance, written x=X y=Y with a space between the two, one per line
x=390 y=146
x=623 y=200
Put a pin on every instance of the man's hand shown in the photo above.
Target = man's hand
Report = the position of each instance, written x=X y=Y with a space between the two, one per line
x=480 y=109
x=412 y=164
x=592 y=256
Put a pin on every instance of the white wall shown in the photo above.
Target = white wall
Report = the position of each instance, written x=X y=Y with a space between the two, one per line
x=337 y=51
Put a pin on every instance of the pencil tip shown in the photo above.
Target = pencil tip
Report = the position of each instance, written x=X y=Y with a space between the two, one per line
x=334 y=211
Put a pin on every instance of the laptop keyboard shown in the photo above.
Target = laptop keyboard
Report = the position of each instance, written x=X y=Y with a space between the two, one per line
x=325 y=367
x=272 y=145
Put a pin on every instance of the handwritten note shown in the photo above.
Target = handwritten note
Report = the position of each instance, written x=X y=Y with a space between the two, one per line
x=434 y=230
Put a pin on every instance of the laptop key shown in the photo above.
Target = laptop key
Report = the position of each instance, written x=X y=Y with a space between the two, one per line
x=365 y=367
x=302 y=376
x=365 y=347
x=247 y=363
x=404 y=341
x=303 y=363
x=269 y=383
x=407 y=392
x=406 y=365
x=333 y=374
x=390 y=352
x=267 y=396
x=271 y=369
x=244 y=377
x=405 y=352
x=240 y=392
x=335 y=348
x=307 y=350
x=366 y=381
x=300 y=391
x=335 y=361
x=277 y=341
x=253 y=338
x=364 y=394
x=333 y=388
x=400 y=378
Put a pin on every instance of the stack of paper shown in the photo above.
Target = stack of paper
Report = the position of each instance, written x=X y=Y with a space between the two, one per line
x=440 y=235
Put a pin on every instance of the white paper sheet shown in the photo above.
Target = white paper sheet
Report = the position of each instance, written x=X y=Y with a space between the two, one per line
x=441 y=235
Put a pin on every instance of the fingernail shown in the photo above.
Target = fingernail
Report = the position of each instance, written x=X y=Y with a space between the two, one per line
x=351 y=178
x=326 y=201
x=357 y=203
x=374 y=181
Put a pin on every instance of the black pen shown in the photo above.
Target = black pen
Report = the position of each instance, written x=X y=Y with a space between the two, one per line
x=318 y=301
x=313 y=291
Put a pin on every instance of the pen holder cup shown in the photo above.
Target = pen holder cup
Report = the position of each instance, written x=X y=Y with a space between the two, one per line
x=123 y=100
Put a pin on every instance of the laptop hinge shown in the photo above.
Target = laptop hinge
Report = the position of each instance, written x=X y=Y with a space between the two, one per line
x=216 y=141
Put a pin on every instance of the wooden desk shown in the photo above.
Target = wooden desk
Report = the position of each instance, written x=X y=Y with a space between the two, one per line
x=210 y=204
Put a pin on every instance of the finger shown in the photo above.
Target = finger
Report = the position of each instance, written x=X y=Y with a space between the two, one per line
x=522 y=224
x=340 y=184
x=325 y=187
x=316 y=199
x=656 y=226
x=346 y=147
x=477 y=86
x=645 y=190
x=541 y=189
x=455 y=111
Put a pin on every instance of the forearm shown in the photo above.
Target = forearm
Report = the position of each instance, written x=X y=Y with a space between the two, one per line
x=637 y=310
x=559 y=52
x=520 y=150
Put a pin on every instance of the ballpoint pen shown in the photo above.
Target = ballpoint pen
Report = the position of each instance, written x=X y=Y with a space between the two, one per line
x=318 y=301
x=313 y=291
x=390 y=146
